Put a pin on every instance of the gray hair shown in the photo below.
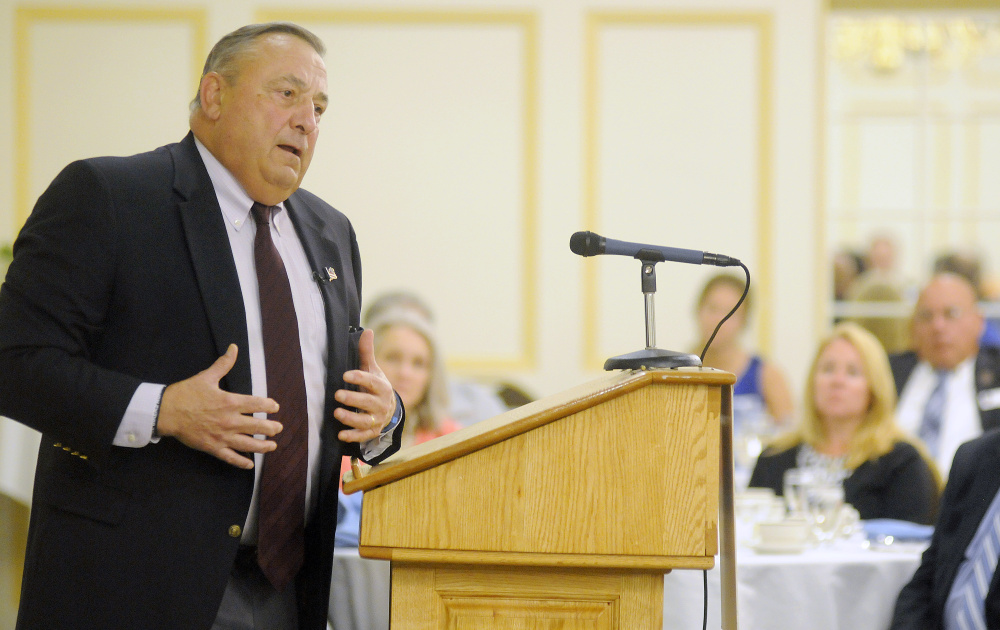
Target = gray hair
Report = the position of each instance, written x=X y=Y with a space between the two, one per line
x=229 y=53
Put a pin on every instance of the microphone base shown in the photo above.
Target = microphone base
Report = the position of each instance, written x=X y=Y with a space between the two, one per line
x=652 y=358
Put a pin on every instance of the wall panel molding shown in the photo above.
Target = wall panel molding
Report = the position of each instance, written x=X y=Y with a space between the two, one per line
x=28 y=19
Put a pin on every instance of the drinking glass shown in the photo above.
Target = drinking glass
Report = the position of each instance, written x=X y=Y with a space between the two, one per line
x=796 y=482
x=825 y=502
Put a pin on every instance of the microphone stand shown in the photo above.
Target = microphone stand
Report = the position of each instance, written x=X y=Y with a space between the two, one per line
x=651 y=356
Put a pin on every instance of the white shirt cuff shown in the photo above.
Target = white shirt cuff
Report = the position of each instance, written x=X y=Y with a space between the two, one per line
x=136 y=428
x=375 y=446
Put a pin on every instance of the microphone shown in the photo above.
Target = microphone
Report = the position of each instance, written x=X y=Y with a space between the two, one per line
x=590 y=244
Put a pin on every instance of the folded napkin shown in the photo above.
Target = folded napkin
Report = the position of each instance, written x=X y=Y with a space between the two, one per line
x=900 y=530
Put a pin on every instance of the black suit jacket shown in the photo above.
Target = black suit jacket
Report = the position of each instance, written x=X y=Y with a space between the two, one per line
x=971 y=487
x=987 y=377
x=123 y=274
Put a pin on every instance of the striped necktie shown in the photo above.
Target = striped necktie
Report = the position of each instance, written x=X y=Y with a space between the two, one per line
x=965 y=607
x=281 y=516
x=930 y=426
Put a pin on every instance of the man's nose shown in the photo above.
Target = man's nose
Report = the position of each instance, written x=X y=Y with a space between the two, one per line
x=305 y=119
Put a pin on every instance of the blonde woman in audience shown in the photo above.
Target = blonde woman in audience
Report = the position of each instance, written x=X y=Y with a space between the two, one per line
x=848 y=429
x=761 y=391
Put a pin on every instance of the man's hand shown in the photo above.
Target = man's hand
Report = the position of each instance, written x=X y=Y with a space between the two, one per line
x=204 y=417
x=376 y=403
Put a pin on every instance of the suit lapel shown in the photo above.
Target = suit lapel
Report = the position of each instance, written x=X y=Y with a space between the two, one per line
x=212 y=258
x=323 y=252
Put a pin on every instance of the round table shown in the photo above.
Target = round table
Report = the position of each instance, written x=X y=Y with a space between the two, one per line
x=843 y=587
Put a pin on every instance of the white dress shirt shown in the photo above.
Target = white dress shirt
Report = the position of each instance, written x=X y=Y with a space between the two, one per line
x=137 y=424
x=961 y=421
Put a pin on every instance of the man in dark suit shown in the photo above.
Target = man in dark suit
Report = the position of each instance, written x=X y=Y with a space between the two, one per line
x=131 y=337
x=949 y=386
x=931 y=601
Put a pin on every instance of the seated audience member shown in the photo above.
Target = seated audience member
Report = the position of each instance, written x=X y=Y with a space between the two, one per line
x=956 y=585
x=847 y=266
x=761 y=393
x=892 y=332
x=880 y=263
x=847 y=428
x=513 y=396
x=469 y=401
x=472 y=401
x=949 y=386
x=405 y=349
x=969 y=267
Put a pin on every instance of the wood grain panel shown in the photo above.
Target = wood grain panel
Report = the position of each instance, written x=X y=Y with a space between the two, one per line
x=635 y=475
x=460 y=598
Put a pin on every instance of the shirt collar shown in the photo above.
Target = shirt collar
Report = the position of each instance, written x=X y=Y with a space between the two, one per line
x=233 y=199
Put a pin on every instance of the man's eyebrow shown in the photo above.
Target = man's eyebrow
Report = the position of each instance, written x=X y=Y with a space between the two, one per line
x=301 y=85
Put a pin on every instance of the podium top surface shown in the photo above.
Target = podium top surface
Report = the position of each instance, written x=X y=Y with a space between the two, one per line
x=448 y=447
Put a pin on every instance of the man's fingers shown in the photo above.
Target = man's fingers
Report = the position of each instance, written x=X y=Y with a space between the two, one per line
x=350 y=398
x=369 y=430
x=353 y=435
x=250 y=444
x=233 y=458
x=363 y=425
x=270 y=428
x=255 y=404
x=223 y=364
x=366 y=350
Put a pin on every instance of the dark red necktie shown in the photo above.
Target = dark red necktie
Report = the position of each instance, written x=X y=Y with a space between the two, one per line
x=282 y=499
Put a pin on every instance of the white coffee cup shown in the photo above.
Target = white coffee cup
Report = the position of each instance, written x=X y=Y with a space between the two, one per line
x=792 y=533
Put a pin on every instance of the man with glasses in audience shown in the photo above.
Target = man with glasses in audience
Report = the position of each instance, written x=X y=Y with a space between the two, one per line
x=949 y=386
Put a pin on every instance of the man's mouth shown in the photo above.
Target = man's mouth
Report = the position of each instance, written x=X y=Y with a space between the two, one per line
x=293 y=150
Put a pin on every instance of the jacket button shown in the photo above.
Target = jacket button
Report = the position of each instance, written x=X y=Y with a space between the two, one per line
x=235 y=531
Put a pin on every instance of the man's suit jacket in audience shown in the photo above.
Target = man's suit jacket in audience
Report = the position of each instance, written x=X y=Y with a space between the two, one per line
x=971 y=487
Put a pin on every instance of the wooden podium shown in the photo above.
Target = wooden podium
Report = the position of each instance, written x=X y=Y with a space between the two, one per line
x=564 y=513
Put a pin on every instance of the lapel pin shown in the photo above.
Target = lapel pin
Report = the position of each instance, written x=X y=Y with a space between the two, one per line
x=331 y=275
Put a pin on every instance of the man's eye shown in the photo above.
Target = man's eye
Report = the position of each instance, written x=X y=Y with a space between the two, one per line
x=287 y=93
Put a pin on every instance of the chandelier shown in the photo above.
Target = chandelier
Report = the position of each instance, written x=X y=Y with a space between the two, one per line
x=885 y=44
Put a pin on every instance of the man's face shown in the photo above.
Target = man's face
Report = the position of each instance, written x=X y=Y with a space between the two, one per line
x=946 y=323
x=268 y=117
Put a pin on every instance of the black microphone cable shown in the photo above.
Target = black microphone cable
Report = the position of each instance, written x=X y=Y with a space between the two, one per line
x=743 y=297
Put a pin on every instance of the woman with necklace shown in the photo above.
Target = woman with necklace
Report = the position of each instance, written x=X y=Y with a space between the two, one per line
x=848 y=430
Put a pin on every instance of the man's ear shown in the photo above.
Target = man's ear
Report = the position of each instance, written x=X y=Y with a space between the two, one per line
x=210 y=92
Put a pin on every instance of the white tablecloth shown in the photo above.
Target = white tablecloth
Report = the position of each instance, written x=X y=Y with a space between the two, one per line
x=844 y=588
x=841 y=588
x=359 y=592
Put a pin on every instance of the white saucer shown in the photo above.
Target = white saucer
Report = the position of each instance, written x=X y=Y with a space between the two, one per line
x=778 y=547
